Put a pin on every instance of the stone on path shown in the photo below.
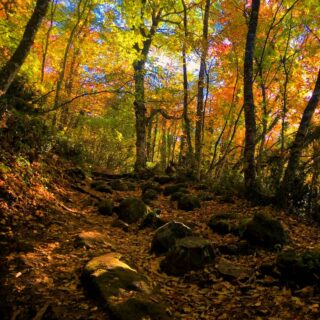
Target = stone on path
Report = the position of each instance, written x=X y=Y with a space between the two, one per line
x=190 y=253
x=131 y=210
x=188 y=203
x=126 y=294
x=166 y=236
x=92 y=239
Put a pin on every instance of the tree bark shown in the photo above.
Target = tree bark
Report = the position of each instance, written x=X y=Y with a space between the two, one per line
x=249 y=108
x=139 y=94
x=298 y=144
x=12 y=67
x=200 y=97
x=187 y=126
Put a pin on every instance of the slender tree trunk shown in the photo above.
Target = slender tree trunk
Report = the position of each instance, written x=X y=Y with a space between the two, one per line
x=140 y=112
x=46 y=44
x=249 y=108
x=12 y=67
x=200 y=97
x=187 y=126
x=290 y=175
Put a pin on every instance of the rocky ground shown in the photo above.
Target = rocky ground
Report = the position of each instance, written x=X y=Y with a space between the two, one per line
x=45 y=208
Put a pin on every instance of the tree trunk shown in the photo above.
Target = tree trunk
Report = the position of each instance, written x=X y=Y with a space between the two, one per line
x=200 y=97
x=187 y=127
x=249 y=108
x=297 y=146
x=12 y=67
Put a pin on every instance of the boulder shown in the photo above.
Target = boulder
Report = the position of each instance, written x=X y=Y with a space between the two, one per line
x=149 y=195
x=119 y=185
x=92 y=239
x=166 y=236
x=124 y=292
x=188 y=203
x=170 y=189
x=176 y=196
x=240 y=248
x=131 y=210
x=163 y=179
x=299 y=269
x=105 y=207
x=205 y=196
x=151 y=185
x=264 y=231
x=224 y=223
x=231 y=270
x=101 y=186
x=189 y=253
x=152 y=220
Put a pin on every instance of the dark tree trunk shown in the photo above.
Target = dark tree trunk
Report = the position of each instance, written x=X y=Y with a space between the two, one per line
x=200 y=97
x=139 y=95
x=297 y=146
x=12 y=67
x=249 y=108
x=140 y=112
x=187 y=126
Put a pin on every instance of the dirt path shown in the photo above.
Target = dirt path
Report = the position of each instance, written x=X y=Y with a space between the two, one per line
x=43 y=274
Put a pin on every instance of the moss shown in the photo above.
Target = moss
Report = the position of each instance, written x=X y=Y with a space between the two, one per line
x=131 y=210
x=188 y=203
x=174 y=188
x=119 y=185
x=149 y=195
x=105 y=207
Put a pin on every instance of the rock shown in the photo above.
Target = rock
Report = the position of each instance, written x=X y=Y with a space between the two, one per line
x=299 y=269
x=91 y=239
x=190 y=253
x=230 y=270
x=264 y=231
x=132 y=186
x=152 y=220
x=205 y=196
x=174 y=188
x=166 y=236
x=224 y=223
x=119 y=185
x=117 y=223
x=176 y=196
x=75 y=173
x=101 y=186
x=163 y=179
x=125 y=293
x=105 y=207
x=188 y=203
x=240 y=248
x=151 y=185
x=131 y=210
x=201 y=186
x=149 y=195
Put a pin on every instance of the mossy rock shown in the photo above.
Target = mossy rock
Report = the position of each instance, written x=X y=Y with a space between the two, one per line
x=101 y=186
x=131 y=210
x=299 y=269
x=166 y=236
x=152 y=220
x=124 y=292
x=170 y=189
x=132 y=186
x=264 y=231
x=189 y=253
x=224 y=223
x=205 y=196
x=119 y=185
x=163 y=179
x=151 y=185
x=188 y=203
x=176 y=196
x=105 y=207
x=149 y=195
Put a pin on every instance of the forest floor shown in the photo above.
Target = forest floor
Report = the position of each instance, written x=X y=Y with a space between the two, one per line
x=43 y=211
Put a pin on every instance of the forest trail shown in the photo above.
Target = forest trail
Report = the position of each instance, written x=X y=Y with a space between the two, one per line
x=42 y=275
